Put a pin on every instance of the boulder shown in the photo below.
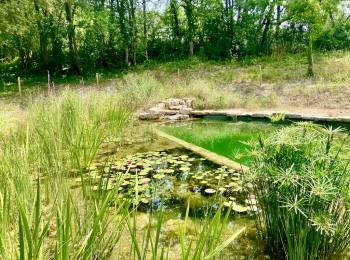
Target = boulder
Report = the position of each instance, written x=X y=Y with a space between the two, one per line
x=149 y=116
x=161 y=105
x=185 y=111
x=163 y=111
x=189 y=102
x=175 y=102
x=177 y=117
x=176 y=107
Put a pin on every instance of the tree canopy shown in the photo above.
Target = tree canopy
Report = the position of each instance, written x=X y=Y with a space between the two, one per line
x=80 y=36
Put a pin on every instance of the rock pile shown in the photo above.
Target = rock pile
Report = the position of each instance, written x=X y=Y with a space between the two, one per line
x=170 y=109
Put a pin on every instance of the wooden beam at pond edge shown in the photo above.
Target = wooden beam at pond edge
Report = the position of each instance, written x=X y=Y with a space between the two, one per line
x=215 y=158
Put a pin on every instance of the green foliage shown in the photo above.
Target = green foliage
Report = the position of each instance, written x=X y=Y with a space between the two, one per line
x=278 y=117
x=301 y=179
x=80 y=37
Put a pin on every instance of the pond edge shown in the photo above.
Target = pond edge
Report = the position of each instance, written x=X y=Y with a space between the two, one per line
x=268 y=115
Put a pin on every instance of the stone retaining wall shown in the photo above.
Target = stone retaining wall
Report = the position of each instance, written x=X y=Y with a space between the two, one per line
x=267 y=115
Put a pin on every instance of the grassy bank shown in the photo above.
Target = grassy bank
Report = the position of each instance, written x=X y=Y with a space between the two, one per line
x=260 y=82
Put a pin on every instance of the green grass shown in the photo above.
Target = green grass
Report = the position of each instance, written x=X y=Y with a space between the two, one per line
x=227 y=139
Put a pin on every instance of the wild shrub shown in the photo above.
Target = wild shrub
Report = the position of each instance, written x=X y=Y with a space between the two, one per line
x=301 y=180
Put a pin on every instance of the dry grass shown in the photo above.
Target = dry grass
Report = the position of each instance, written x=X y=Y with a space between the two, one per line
x=236 y=84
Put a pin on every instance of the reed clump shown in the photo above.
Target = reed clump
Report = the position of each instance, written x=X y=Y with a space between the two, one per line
x=301 y=179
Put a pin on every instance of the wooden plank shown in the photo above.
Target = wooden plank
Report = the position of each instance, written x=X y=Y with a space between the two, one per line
x=216 y=158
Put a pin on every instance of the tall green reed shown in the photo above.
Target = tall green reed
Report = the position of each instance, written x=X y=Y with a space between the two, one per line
x=301 y=179
x=41 y=215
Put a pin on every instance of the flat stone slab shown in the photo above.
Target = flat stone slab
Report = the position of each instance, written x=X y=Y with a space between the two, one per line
x=149 y=116
x=216 y=158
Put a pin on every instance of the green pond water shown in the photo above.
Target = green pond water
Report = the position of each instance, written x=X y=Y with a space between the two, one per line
x=222 y=137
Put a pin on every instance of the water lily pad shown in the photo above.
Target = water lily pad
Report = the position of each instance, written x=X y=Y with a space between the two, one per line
x=222 y=189
x=143 y=180
x=209 y=191
x=184 y=169
x=158 y=176
x=236 y=207
x=236 y=189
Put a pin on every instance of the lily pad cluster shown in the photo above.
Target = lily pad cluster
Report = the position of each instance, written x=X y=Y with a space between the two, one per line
x=172 y=177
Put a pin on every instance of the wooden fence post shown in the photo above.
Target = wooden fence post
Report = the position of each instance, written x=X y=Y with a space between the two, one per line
x=260 y=75
x=19 y=86
x=97 y=79
x=48 y=82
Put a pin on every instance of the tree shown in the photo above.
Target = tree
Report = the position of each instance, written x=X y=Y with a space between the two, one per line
x=144 y=9
x=87 y=35
x=70 y=8
x=189 y=11
x=122 y=7
x=312 y=15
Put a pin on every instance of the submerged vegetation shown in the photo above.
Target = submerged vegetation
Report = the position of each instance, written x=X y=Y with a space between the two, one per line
x=225 y=138
x=301 y=179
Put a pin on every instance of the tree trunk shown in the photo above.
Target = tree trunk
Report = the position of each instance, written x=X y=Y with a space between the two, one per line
x=175 y=20
x=43 y=37
x=145 y=28
x=278 y=23
x=111 y=29
x=264 y=39
x=124 y=30
x=310 y=59
x=132 y=25
x=72 y=43
x=188 y=6
x=190 y=52
x=126 y=56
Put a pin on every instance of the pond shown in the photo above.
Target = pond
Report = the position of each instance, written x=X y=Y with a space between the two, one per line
x=153 y=175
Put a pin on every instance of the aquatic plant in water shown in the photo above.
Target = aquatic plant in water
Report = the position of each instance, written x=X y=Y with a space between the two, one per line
x=173 y=177
x=301 y=180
